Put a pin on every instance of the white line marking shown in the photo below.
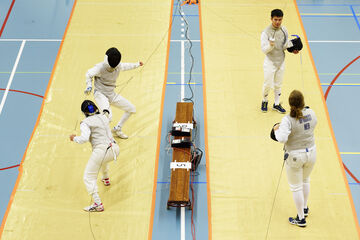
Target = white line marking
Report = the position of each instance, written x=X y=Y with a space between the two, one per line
x=180 y=40
x=325 y=41
x=30 y=40
x=12 y=76
x=182 y=223
x=182 y=71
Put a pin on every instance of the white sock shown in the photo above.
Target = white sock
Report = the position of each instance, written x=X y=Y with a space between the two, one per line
x=123 y=119
x=277 y=98
x=306 y=191
x=299 y=203
x=96 y=198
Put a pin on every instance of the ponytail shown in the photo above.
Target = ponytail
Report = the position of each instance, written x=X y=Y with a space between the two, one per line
x=296 y=102
x=296 y=112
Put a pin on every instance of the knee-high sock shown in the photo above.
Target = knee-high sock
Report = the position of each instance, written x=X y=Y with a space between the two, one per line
x=306 y=191
x=123 y=119
x=299 y=203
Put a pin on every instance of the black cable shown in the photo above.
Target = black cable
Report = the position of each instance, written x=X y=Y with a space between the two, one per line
x=191 y=56
x=157 y=47
x=93 y=235
x=104 y=124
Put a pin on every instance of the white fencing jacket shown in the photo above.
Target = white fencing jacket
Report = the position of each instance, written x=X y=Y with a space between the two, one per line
x=297 y=134
x=105 y=80
x=275 y=53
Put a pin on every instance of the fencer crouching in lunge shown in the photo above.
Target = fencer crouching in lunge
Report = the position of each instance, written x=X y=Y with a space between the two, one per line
x=296 y=131
x=105 y=75
x=95 y=128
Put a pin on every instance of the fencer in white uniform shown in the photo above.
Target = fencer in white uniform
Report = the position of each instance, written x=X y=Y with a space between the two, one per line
x=274 y=42
x=95 y=129
x=296 y=131
x=105 y=75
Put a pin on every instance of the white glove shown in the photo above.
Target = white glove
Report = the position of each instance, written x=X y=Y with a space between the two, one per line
x=88 y=90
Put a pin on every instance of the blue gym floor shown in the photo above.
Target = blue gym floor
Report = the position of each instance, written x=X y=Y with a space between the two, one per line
x=38 y=26
x=163 y=218
x=333 y=32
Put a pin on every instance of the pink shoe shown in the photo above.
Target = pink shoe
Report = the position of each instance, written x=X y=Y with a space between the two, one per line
x=94 y=208
x=106 y=181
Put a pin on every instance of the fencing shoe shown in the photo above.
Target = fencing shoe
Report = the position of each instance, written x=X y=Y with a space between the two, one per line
x=94 y=208
x=297 y=221
x=106 y=181
x=264 y=107
x=119 y=133
x=306 y=212
x=279 y=108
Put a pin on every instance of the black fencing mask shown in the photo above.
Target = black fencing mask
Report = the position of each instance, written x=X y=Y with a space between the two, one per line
x=272 y=133
x=113 y=57
x=297 y=44
x=89 y=108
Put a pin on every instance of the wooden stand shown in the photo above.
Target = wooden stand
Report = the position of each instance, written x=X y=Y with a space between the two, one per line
x=180 y=178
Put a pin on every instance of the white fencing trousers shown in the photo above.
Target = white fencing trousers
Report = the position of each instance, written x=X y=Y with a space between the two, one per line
x=273 y=78
x=99 y=160
x=299 y=165
x=104 y=101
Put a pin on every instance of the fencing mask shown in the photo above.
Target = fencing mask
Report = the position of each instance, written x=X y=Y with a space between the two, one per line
x=89 y=108
x=297 y=44
x=272 y=133
x=113 y=57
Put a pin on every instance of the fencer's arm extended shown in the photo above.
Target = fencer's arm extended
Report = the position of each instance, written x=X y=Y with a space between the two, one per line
x=128 y=66
x=92 y=72
x=85 y=134
x=284 y=130
x=265 y=43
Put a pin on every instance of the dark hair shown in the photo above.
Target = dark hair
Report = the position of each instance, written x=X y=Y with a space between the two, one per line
x=296 y=102
x=277 y=13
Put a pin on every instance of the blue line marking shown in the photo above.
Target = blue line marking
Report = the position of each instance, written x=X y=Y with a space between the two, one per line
x=354 y=183
x=354 y=15
x=332 y=16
